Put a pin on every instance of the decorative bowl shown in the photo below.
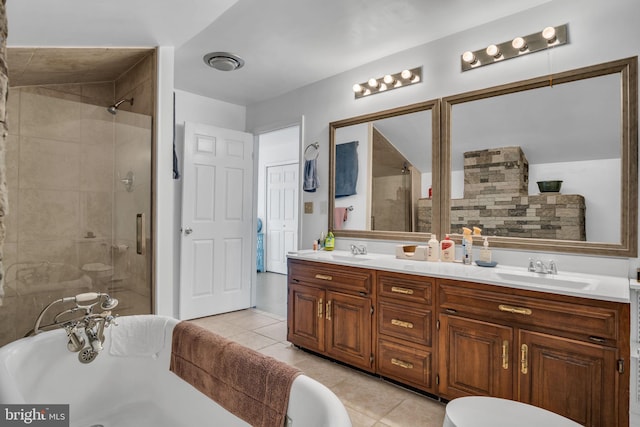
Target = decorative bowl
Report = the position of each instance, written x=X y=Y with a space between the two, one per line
x=549 y=186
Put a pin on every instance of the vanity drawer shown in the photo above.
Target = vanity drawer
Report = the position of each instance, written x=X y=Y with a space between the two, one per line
x=592 y=321
x=332 y=276
x=404 y=287
x=404 y=363
x=405 y=322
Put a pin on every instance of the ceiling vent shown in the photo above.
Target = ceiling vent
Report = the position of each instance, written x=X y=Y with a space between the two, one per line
x=223 y=61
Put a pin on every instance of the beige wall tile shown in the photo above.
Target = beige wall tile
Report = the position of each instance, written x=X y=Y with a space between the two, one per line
x=48 y=215
x=98 y=93
x=55 y=91
x=12 y=157
x=124 y=216
x=140 y=73
x=97 y=125
x=46 y=117
x=63 y=251
x=96 y=213
x=11 y=219
x=13 y=111
x=49 y=164
x=96 y=168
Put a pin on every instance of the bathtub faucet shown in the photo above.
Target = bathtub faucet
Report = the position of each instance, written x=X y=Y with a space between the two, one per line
x=84 y=328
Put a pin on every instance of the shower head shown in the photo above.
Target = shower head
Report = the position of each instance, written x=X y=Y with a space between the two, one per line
x=114 y=108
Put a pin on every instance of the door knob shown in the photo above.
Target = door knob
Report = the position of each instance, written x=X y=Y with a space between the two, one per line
x=188 y=231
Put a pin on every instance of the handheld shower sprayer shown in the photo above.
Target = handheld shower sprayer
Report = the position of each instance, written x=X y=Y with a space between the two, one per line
x=113 y=109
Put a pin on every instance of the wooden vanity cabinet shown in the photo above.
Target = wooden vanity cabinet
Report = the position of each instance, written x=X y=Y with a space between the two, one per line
x=330 y=310
x=406 y=329
x=564 y=354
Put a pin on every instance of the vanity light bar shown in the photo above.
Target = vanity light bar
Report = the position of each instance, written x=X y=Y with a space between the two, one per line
x=388 y=82
x=522 y=45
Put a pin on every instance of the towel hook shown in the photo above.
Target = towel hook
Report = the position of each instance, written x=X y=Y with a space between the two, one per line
x=314 y=155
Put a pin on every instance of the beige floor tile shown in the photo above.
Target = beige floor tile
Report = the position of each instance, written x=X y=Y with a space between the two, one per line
x=416 y=411
x=368 y=395
x=286 y=353
x=254 y=321
x=252 y=340
x=360 y=420
x=276 y=331
x=220 y=327
x=328 y=373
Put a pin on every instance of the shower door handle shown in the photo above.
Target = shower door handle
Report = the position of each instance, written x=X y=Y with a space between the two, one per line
x=140 y=234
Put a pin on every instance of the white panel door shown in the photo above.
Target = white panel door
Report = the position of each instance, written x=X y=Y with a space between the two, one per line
x=282 y=215
x=217 y=231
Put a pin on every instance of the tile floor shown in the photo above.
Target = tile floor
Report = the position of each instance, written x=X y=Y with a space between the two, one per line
x=370 y=401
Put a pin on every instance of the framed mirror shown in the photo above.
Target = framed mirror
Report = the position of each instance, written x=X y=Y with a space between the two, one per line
x=546 y=164
x=385 y=174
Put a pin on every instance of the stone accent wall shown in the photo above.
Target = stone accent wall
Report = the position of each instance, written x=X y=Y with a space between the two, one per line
x=495 y=171
x=4 y=92
x=496 y=199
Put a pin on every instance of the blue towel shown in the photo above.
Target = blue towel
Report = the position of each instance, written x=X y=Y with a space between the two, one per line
x=310 y=182
x=346 y=168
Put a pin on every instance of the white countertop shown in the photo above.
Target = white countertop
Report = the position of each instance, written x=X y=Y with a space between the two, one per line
x=607 y=288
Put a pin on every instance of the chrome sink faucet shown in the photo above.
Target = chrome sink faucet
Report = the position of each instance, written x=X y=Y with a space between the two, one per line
x=358 y=250
x=538 y=266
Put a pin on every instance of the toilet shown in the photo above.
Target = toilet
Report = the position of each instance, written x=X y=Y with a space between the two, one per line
x=480 y=411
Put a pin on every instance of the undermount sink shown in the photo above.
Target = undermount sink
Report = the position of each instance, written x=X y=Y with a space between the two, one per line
x=553 y=280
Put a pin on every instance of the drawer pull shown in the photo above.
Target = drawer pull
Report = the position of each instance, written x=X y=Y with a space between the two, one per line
x=323 y=277
x=524 y=364
x=399 y=290
x=401 y=363
x=505 y=354
x=599 y=340
x=320 y=308
x=328 y=315
x=401 y=323
x=516 y=310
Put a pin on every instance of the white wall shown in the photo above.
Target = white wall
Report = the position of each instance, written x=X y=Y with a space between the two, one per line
x=598 y=32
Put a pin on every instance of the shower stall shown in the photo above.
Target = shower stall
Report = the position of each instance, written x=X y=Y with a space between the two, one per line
x=79 y=181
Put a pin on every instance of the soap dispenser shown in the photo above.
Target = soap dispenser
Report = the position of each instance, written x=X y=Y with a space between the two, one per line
x=485 y=252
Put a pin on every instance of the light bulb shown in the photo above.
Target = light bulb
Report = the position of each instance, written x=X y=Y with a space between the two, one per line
x=406 y=74
x=549 y=34
x=382 y=87
x=469 y=57
x=388 y=79
x=519 y=43
x=357 y=88
x=373 y=83
x=492 y=50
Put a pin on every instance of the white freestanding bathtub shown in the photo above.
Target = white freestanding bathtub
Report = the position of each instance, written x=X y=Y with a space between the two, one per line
x=134 y=387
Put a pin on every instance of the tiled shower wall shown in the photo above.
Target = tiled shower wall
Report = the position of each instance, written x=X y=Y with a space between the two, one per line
x=65 y=157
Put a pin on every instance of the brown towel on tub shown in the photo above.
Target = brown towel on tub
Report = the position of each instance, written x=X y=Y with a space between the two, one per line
x=248 y=384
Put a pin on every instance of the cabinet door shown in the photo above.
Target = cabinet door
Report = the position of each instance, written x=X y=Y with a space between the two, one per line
x=474 y=358
x=305 y=324
x=348 y=329
x=572 y=378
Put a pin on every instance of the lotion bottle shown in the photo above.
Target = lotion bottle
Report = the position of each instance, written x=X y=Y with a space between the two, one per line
x=485 y=252
x=447 y=249
x=329 y=242
x=433 y=249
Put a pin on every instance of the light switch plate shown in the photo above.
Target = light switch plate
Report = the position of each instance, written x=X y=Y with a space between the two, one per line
x=308 y=207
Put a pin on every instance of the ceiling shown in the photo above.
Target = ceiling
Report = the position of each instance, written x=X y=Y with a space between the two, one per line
x=286 y=44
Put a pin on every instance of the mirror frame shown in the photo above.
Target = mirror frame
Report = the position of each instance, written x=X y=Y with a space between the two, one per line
x=629 y=158
x=434 y=107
